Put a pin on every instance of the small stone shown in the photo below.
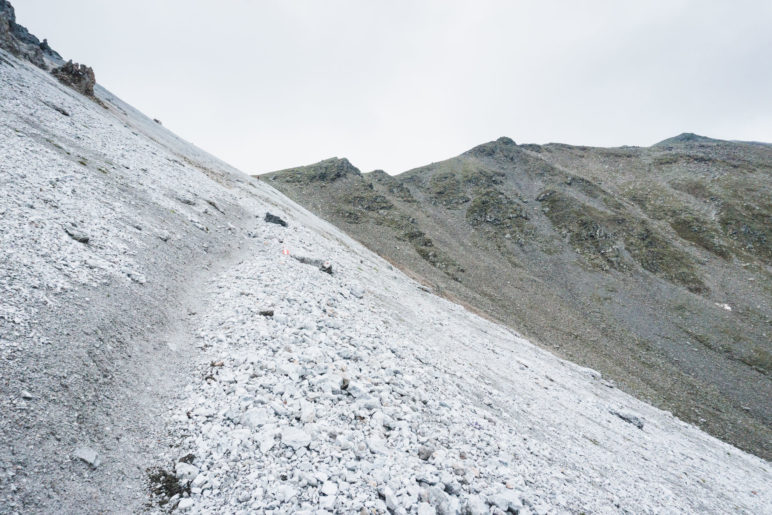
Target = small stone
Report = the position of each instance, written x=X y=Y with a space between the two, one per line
x=629 y=418
x=186 y=471
x=255 y=417
x=357 y=291
x=76 y=235
x=189 y=201
x=266 y=313
x=368 y=402
x=273 y=219
x=425 y=508
x=307 y=412
x=327 y=502
x=475 y=505
x=137 y=277
x=185 y=504
x=329 y=488
x=356 y=390
x=506 y=500
x=88 y=455
x=295 y=438
x=442 y=502
x=285 y=492
x=425 y=452
x=27 y=395
x=377 y=445
x=391 y=500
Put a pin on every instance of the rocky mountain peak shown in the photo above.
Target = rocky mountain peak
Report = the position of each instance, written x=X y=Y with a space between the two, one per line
x=326 y=171
x=503 y=146
x=687 y=137
x=20 y=42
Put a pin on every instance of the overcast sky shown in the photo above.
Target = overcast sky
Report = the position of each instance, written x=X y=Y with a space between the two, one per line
x=394 y=84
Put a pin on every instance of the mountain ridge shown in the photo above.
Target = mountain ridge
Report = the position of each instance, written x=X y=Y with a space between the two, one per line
x=592 y=223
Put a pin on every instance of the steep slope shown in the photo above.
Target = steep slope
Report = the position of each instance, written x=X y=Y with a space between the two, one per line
x=156 y=337
x=651 y=265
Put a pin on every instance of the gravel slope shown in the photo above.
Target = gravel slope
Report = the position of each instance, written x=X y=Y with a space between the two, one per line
x=145 y=345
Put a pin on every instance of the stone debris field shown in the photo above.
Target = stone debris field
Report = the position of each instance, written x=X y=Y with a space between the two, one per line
x=162 y=350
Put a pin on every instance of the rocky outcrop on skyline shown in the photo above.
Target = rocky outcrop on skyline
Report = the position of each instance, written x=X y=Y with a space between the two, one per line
x=78 y=76
x=20 y=42
x=17 y=40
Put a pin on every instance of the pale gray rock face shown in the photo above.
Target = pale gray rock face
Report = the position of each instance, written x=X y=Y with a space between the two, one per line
x=392 y=400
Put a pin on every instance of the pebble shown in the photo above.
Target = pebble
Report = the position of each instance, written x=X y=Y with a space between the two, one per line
x=377 y=445
x=295 y=438
x=329 y=488
x=185 y=504
x=425 y=452
x=88 y=455
x=75 y=234
x=629 y=418
x=357 y=291
x=185 y=471
x=255 y=417
x=506 y=500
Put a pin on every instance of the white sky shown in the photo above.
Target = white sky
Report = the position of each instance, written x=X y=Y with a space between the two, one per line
x=397 y=84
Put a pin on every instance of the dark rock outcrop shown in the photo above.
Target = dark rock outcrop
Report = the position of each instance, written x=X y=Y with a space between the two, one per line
x=78 y=76
x=17 y=40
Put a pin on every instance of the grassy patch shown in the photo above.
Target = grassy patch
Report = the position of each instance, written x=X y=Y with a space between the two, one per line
x=599 y=236
x=760 y=359
x=363 y=197
x=686 y=222
x=425 y=248
x=591 y=232
x=750 y=226
x=504 y=216
x=445 y=188
x=656 y=255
